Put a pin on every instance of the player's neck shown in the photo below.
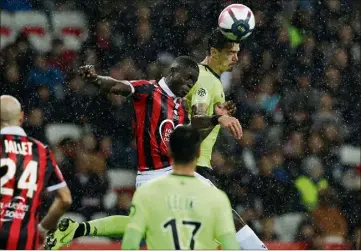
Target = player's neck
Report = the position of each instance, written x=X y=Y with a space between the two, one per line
x=213 y=64
x=3 y=125
x=184 y=169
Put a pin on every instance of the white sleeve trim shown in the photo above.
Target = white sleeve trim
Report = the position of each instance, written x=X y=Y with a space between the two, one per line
x=131 y=87
x=56 y=186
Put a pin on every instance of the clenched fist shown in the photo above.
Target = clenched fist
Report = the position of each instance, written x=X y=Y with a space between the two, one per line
x=88 y=73
x=232 y=125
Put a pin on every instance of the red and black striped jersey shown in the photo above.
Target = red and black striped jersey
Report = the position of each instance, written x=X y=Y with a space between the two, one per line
x=27 y=168
x=157 y=112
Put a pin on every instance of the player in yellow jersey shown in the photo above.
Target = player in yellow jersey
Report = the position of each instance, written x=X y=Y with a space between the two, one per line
x=179 y=211
x=207 y=98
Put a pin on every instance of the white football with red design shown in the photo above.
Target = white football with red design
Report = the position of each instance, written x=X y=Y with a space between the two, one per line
x=236 y=22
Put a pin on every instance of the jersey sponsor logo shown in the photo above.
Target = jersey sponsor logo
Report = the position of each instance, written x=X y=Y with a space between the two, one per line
x=166 y=128
x=15 y=209
x=202 y=92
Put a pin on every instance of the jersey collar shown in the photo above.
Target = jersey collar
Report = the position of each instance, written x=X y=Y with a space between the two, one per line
x=13 y=130
x=213 y=72
x=165 y=87
x=183 y=175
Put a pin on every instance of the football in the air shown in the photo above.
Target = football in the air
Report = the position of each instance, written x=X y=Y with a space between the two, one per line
x=236 y=22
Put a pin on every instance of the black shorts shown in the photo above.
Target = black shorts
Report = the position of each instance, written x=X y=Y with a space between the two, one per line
x=208 y=173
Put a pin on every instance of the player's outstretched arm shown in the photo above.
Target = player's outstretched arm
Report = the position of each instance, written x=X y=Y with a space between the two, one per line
x=228 y=242
x=60 y=205
x=131 y=240
x=205 y=123
x=111 y=85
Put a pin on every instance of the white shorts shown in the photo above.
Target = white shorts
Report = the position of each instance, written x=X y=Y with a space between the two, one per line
x=146 y=176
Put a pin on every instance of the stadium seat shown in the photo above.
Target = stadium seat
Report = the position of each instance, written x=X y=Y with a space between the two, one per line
x=71 y=26
x=56 y=132
x=286 y=225
x=8 y=31
x=350 y=155
x=119 y=178
x=75 y=216
x=36 y=25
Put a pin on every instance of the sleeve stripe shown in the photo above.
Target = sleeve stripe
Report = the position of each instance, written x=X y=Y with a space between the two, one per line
x=131 y=87
x=56 y=186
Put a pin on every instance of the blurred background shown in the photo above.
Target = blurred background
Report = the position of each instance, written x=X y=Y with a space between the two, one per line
x=295 y=176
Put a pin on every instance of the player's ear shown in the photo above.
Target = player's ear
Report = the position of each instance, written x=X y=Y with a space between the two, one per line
x=21 y=118
x=214 y=53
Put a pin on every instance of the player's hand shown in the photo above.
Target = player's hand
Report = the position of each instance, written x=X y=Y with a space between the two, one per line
x=88 y=73
x=228 y=107
x=231 y=124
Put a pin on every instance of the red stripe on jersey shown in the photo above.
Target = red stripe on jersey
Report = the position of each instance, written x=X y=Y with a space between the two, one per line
x=140 y=116
x=10 y=184
x=140 y=82
x=157 y=105
x=42 y=166
x=15 y=228
x=170 y=104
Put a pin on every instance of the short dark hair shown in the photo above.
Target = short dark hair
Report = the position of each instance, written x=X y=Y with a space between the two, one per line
x=185 y=62
x=184 y=144
x=218 y=40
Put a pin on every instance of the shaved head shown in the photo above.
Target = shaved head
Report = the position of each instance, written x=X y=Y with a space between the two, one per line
x=11 y=114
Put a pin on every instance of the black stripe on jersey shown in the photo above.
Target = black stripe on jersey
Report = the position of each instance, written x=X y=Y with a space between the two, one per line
x=163 y=116
x=143 y=89
x=146 y=132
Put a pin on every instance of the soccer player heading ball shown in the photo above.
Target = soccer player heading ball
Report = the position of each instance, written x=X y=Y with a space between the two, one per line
x=159 y=108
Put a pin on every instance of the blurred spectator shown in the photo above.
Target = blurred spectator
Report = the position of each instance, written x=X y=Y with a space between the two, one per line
x=329 y=219
x=87 y=187
x=246 y=151
x=73 y=107
x=267 y=99
x=41 y=74
x=268 y=230
x=306 y=232
x=59 y=57
x=310 y=184
x=35 y=124
x=102 y=44
x=44 y=99
x=11 y=83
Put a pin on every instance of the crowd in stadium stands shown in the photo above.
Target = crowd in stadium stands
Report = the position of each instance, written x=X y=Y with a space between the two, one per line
x=297 y=88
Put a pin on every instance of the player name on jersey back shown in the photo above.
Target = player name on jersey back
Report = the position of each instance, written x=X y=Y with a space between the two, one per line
x=24 y=148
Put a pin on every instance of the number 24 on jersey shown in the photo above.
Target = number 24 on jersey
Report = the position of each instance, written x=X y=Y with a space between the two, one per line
x=28 y=178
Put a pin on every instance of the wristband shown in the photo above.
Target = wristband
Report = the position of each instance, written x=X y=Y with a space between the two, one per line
x=41 y=228
x=214 y=119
